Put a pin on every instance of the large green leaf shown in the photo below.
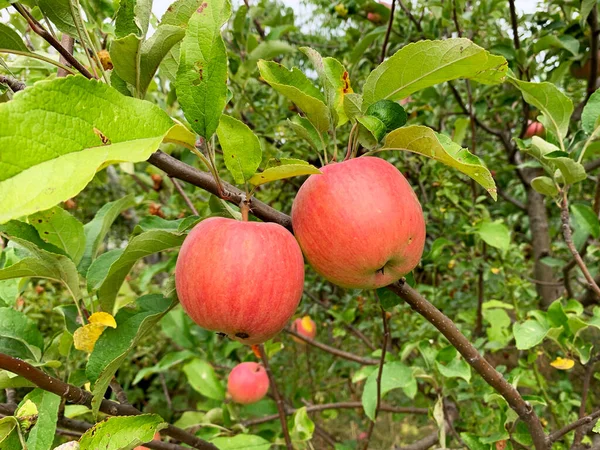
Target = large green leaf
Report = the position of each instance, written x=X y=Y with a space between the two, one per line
x=114 y=344
x=203 y=379
x=394 y=375
x=10 y=40
x=59 y=12
x=19 y=335
x=121 y=433
x=57 y=227
x=41 y=435
x=240 y=441
x=57 y=134
x=294 y=85
x=133 y=17
x=553 y=160
x=9 y=427
x=427 y=63
x=426 y=142
x=556 y=107
x=529 y=333
x=155 y=49
x=96 y=229
x=282 y=172
x=359 y=49
x=335 y=80
x=106 y=275
x=125 y=54
x=241 y=148
x=590 y=117
x=495 y=234
x=202 y=74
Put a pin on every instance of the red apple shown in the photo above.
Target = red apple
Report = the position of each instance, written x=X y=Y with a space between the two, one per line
x=534 y=129
x=156 y=438
x=305 y=327
x=374 y=17
x=359 y=224
x=243 y=279
x=248 y=382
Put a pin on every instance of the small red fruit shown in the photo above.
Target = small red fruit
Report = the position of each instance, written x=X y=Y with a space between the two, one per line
x=243 y=279
x=305 y=327
x=534 y=129
x=248 y=383
x=156 y=438
x=374 y=18
x=359 y=224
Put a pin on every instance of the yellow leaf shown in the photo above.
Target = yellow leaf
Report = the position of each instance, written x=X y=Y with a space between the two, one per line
x=495 y=270
x=28 y=409
x=103 y=318
x=451 y=264
x=85 y=338
x=562 y=363
x=307 y=324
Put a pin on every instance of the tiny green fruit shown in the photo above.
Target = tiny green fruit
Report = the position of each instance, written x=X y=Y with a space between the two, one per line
x=390 y=113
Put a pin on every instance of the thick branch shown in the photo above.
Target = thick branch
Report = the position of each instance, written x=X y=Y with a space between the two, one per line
x=472 y=356
x=333 y=350
x=39 y=29
x=68 y=43
x=12 y=83
x=80 y=397
x=341 y=405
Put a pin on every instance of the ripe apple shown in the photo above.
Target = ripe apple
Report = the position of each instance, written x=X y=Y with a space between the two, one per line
x=534 y=129
x=156 y=438
x=243 y=279
x=248 y=382
x=359 y=223
x=374 y=17
x=305 y=327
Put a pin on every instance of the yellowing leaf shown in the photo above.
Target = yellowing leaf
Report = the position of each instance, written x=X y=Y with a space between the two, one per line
x=495 y=270
x=103 y=318
x=85 y=337
x=28 y=409
x=307 y=324
x=562 y=363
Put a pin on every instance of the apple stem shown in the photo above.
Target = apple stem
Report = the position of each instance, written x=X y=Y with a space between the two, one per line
x=245 y=208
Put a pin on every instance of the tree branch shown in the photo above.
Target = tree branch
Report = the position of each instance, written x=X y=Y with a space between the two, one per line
x=341 y=405
x=12 y=83
x=411 y=17
x=387 y=33
x=80 y=397
x=68 y=43
x=39 y=29
x=333 y=350
x=553 y=437
x=257 y=24
x=186 y=199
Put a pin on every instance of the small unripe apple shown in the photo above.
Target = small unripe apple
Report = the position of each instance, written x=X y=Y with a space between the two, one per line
x=248 y=383
x=243 y=279
x=534 y=129
x=359 y=223
x=305 y=327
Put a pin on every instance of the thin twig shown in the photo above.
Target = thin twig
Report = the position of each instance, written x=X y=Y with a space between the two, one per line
x=416 y=22
x=566 y=229
x=163 y=382
x=589 y=371
x=278 y=399
x=387 y=33
x=11 y=396
x=14 y=84
x=119 y=392
x=79 y=396
x=257 y=24
x=39 y=29
x=186 y=199
x=341 y=405
x=334 y=351
x=386 y=336
x=555 y=436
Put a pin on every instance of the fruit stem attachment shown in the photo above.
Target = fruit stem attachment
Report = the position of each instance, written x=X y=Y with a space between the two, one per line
x=278 y=399
x=245 y=208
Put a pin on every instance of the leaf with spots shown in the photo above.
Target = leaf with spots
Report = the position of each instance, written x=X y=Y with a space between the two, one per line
x=122 y=433
x=57 y=227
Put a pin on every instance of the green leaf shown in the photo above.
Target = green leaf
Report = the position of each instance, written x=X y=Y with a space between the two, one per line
x=27 y=232
x=590 y=117
x=371 y=131
x=306 y=130
x=586 y=9
x=9 y=431
x=425 y=141
x=586 y=218
x=427 y=63
x=59 y=13
x=460 y=129
x=155 y=49
x=566 y=42
x=545 y=186
x=304 y=427
x=395 y=375
x=125 y=54
x=202 y=378
x=133 y=17
x=167 y=362
x=60 y=159
x=335 y=80
x=281 y=172
x=457 y=368
x=359 y=49
x=390 y=113
x=240 y=441
x=106 y=275
x=121 y=433
x=267 y=50
x=294 y=85
x=202 y=74
x=98 y=227
x=57 y=227
x=42 y=264
x=529 y=333
x=495 y=234
x=114 y=345
x=41 y=435
x=556 y=107
x=19 y=335
x=10 y=40
x=241 y=148
x=353 y=106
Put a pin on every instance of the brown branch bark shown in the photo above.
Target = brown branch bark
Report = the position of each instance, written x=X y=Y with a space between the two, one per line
x=333 y=350
x=555 y=436
x=386 y=40
x=410 y=16
x=475 y=360
x=341 y=405
x=257 y=24
x=68 y=43
x=386 y=337
x=78 y=396
x=39 y=29
x=278 y=399
x=587 y=378
x=12 y=83
x=186 y=199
